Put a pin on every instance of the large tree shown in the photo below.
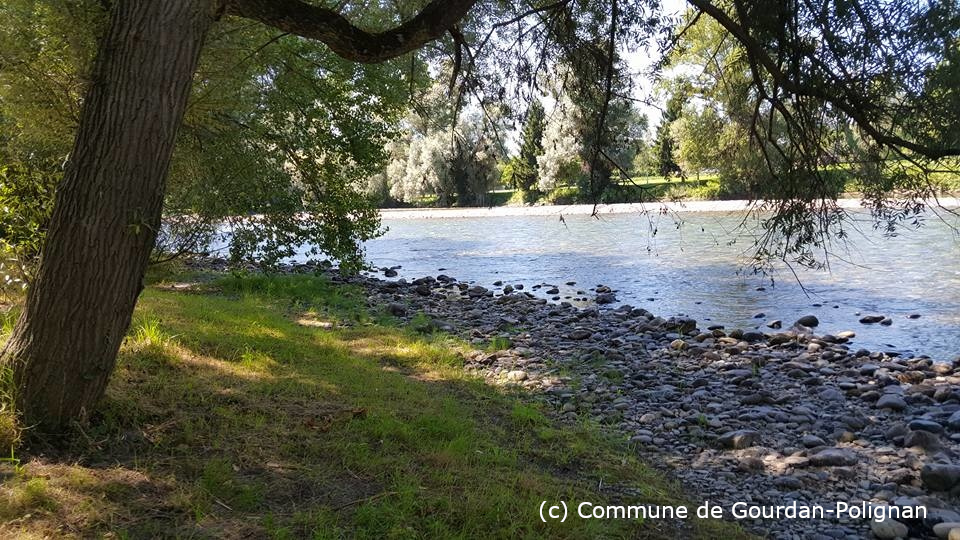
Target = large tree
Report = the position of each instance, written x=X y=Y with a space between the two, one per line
x=107 y=214
x=884 y=67
x=525 y=171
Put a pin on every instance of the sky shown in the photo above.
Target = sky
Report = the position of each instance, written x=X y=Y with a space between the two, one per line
x=639 y=61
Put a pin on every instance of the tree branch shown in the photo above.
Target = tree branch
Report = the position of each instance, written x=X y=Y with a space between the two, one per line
x=347 y=40
x=756 y=52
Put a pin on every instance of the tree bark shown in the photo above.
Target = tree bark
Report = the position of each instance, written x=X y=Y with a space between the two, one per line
x=107 y=210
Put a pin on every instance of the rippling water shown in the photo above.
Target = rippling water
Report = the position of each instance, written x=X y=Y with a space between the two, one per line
x=695 y=270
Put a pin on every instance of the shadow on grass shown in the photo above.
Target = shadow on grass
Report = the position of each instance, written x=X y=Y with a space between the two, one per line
x=279 y=407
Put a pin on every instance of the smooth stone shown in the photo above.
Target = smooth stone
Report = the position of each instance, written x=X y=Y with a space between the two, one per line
x=834 y=457
x=888 y=529
x=925 y=425
x=939 y=476
x=739 y=439
x=517 y=375
x=892 y=402
x=942 y=530
x=606 y=298
x=812 y=441
x=809 y=321
x=922 y=439
x=579 y=334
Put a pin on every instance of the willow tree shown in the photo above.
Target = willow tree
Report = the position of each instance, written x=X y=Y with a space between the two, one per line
x=885 y=69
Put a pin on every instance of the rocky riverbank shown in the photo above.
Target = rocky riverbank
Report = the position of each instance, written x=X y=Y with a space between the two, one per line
x=604 y=209
x=762 y=418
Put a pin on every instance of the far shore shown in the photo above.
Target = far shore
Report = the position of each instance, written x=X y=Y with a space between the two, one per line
x=588 y=209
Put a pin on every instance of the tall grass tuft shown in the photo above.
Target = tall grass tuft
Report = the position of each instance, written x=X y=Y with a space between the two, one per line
x=149 y=334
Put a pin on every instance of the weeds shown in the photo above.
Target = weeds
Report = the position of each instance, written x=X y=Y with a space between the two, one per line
x=498 y=343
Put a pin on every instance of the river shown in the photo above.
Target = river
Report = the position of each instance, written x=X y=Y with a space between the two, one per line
x=700 y=269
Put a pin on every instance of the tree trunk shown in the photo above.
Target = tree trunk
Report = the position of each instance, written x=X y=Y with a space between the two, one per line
x=107 y=210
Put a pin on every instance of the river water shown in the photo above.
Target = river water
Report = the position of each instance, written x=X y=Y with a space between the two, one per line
x=701 y=269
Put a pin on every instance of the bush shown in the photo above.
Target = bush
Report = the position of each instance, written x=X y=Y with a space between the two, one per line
x=26 y=202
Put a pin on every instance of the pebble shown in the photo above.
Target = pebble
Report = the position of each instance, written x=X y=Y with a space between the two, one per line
x=735 y=414
x=940 y=477
x=834 y=457
x=888 y=529
x=943 y=530
x=891 y=401
x=743 y=438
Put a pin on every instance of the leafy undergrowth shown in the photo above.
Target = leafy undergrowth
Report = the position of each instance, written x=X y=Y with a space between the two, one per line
x=280 y=407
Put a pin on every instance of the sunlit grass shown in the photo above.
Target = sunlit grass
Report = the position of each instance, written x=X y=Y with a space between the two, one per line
x=226 y=417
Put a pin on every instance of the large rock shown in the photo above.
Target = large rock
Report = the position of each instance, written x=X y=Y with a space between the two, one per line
x=939 y=476
x=954 y=420
x=517 y=375
x=892 y=402
x=741 y=438
x=922 y=439
x=871 y=319
x=579 y=334
x=943 y=530
x=423 y=289
x=477 y=291
x=810 y=321
x=834 y=457
x=888 y=529
x=812 y=441
x=922 y=424
x=606 y=298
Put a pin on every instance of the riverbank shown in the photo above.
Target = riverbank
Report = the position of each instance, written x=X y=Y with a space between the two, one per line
x=768 y=418
x=239 y=397
x=292 y=406
x=602 y=209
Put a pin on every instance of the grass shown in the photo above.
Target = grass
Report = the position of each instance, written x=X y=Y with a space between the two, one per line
x=282 y=407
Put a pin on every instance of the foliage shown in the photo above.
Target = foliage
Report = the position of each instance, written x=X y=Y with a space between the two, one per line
x=277 y=150
x=280 y=128
x=578 y=150
x=525 y=169
x=560 y=163
x=664 y=145
x=444 y=152
x=26 y=201
x=278 y=134
x=45 y=48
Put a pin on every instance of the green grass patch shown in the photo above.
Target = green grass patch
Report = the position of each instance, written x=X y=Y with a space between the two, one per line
x=277 y=407
x=498 y=343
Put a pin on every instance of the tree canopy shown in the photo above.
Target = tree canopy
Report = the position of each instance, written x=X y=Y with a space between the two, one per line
x=282 y=120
